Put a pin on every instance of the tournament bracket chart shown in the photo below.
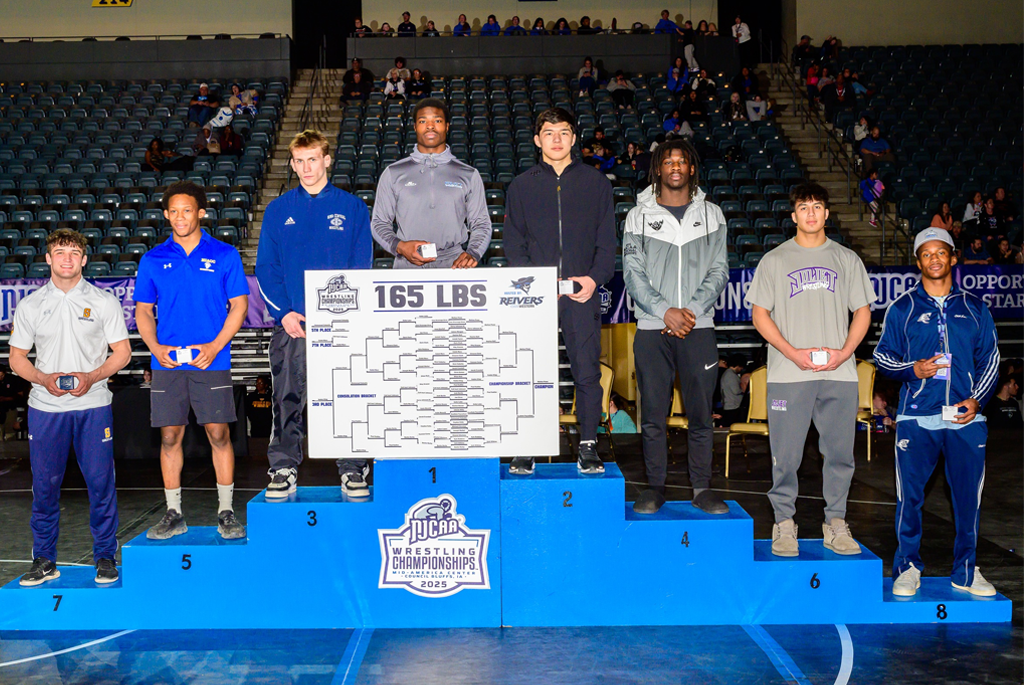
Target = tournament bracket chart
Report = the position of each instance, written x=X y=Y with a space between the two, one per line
x=423 y=363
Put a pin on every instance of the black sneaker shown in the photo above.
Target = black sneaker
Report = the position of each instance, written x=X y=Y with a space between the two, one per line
x=587 y=460
x=521 y=466
x=228 y=526
x=42 y=570
x=710 y=503
x=354 y=484
x=106 y=571
x=649 y=502
x=170 y=525
x=282 y=483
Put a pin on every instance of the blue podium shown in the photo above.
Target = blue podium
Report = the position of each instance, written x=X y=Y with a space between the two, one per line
x=460 y=543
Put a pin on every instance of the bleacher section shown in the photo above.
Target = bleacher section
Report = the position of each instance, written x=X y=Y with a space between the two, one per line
x=953 y=116
x=748 y=168
x=72 y=155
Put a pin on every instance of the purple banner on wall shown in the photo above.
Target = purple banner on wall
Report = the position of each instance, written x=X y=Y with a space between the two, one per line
x=1001 y=287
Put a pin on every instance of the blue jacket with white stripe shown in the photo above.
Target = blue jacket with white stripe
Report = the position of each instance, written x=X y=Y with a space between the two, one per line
x=910 y=333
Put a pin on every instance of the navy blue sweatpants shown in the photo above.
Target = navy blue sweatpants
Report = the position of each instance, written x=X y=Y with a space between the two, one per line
x=917 y=453
x=51 y=435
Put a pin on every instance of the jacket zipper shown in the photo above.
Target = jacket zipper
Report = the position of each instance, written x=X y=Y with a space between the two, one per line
x=558 y=195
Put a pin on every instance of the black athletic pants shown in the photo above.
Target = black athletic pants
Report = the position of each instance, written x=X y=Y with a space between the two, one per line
x=288 y=371
x=581 y=332
x=695 y=359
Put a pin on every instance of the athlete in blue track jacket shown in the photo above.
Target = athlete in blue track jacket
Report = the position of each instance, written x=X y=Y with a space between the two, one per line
x=941 y=343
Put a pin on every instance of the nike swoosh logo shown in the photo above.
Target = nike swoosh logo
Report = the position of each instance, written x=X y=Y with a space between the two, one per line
x=710 y=366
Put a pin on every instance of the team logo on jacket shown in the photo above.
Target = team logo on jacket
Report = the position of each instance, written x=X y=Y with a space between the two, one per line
x=656 y=225
x=903 y=444
x=518 y=295
x=925 y=318
x=336 y=222
x=289 y=222
x=812 y=278
x=338 y=297
x=434 y=554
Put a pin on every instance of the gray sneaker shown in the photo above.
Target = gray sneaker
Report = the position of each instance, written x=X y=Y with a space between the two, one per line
x=587 y=460
x=521 y=466
x=228 y=526
x=784 y=540
x=170 y=525
x=354 y=484
x=908 y=583
x=282 y=483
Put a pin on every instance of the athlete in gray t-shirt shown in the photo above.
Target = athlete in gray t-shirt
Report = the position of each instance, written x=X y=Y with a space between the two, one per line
x=801 y=297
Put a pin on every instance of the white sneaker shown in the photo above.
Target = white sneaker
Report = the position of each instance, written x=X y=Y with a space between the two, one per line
x=837 y=537
x=784 y=542
x=354 y=484
x=282 y=483
x=908 y=583
x=980 y=587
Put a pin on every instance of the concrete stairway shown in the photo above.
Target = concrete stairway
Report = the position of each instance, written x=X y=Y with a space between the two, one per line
x=325 y=116
x=845 y=209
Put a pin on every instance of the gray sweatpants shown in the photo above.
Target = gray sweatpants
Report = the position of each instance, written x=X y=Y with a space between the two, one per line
x=832 y=405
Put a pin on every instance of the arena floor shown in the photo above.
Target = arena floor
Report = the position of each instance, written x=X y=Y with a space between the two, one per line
x=948 y=653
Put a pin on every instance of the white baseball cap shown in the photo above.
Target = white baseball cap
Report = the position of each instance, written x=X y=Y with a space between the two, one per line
x=930 y=234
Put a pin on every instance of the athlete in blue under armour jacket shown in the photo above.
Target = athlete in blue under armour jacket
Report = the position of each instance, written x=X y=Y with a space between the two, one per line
x=941 y=343
x=314 y=226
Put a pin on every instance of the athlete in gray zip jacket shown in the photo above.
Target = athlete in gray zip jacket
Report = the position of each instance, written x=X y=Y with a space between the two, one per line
x=431 y=197
x=675 y=268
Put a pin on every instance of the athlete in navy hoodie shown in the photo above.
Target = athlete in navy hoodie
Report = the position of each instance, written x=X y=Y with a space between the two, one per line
x=941 y=343
x=314 y=226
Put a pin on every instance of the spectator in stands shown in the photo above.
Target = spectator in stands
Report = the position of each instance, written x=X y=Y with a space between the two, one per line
x=990 y=224
x=1003 y=207
x=943 y=218
x=308 y=216
x=853 y=81
x=1003 y=410
x=243 y=101
x=418 y=86
x=598 y=138
x=838 y=96
x=386 y=30
x=741 y=33
x=974 y=207
x=959 y=236
x=757 y=109
x=830 y=49
x=875 y=149
x=357 y=88
x=975 y=253
x=588 y=76
x=687 y=39
x=394 y=88
x=619 y=422
x=361 y=31
x=562 y=27
x=492 y=27
x=712 y=29
x=677 y=82
x=538 y=28
x=622 y=90
x=259 y=409
x=403 y=71
x=159 y=159
x=357 y=68
x=147 y=378
x=804 y=50
x=406 y=28
x=734 y=109
x=745 y=84
x=871 y=189
x=202 y=107
x=811 y=81
x=673 y=122
x=431 y=31
x=585 y=28
x=861 y=130
x=703 y=85
x=515 y=28
x=629 y=157
x=733 y=385
x=666 y=25
x=462 y=27
x=692 y=109
x=825 y=79
x=1005 y=253
x=230 y=142
x=207 y=142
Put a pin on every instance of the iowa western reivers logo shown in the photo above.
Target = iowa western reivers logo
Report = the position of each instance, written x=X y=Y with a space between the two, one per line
x=434 y=554
x=338 y=297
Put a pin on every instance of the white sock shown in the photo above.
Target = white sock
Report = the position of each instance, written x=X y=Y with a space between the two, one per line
x=224 y=493
x=173 y=499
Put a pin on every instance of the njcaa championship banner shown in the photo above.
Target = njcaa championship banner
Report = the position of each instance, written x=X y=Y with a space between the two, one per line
x=432 y=363
x=1001 y=287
